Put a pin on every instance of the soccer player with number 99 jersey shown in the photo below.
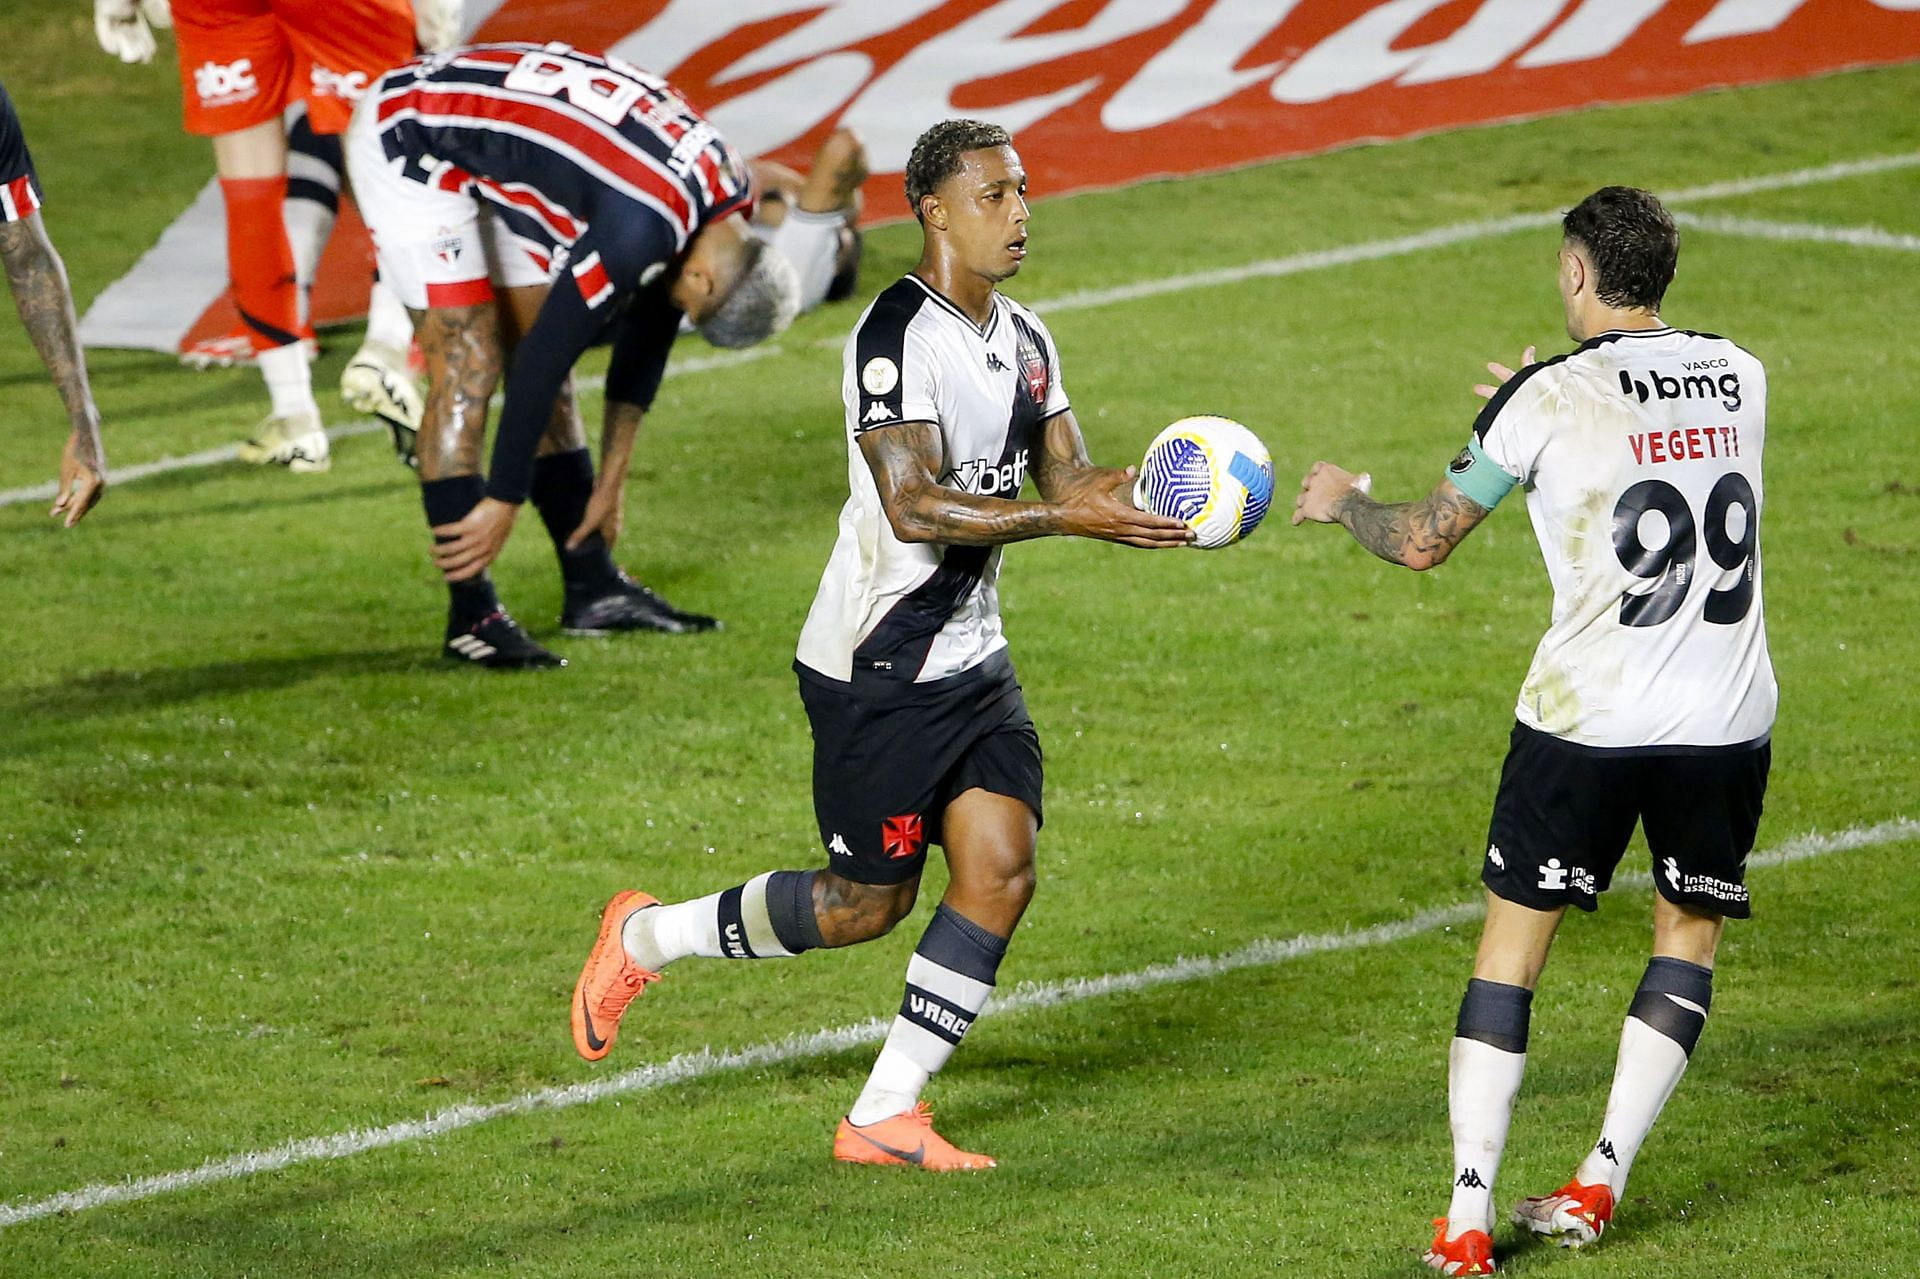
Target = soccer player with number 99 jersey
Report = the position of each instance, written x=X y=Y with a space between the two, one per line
x=1650 y=699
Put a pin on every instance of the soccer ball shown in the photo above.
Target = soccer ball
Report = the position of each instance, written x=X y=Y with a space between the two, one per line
x=1211 y=472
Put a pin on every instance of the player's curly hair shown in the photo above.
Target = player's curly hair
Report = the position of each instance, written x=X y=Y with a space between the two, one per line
x=936 y=154
x=762 y=300
x=1633 y=243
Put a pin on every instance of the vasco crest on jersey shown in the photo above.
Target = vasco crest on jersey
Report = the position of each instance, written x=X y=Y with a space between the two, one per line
x=1033 y=366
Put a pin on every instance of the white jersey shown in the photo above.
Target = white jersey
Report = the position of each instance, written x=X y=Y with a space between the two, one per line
x=923 y=611
x=1640 y=454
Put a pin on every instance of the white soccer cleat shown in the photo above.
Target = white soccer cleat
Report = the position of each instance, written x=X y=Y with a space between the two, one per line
x=378 y=381
x=296 y=441
x=1572 y=1216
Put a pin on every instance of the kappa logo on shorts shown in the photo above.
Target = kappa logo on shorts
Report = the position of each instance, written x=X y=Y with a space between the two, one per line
x=221 y=84
x=1493 y=855
x=838 y=846
x=901 y=837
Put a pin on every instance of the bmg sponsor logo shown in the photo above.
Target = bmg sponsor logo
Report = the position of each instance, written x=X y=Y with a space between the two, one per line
x=1697 y=383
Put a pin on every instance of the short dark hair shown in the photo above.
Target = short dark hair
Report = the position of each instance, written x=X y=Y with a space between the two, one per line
x=936 y=154
x=1633 y=243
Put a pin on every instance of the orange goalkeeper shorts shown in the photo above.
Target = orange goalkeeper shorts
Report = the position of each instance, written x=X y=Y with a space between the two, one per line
x=243 y=62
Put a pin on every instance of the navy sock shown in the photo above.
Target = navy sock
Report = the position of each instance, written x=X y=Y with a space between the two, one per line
x=448 y=501
x=1673 y=998
x=562 y=487
x=1495 y=1013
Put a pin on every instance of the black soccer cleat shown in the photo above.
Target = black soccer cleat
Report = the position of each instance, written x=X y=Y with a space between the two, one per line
x=627 y=606
x=497 y=643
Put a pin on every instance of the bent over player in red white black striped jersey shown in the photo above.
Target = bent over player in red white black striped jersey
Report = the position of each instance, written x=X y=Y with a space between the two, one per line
x=39 y=282
x=601 y=205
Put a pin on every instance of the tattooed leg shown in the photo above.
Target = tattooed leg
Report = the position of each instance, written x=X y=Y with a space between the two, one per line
x=849 y=912
x=463 y=354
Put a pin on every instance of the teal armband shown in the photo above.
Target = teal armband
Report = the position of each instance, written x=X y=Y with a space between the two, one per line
x=1479 y=476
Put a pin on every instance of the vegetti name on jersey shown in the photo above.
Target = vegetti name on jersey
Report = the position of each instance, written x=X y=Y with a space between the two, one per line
x=1640 y=452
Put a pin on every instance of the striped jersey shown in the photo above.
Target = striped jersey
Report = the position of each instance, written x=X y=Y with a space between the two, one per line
x=583 y=153
x=1640 y=456
x=921 y=611
x=603 y=164
x=19 y=184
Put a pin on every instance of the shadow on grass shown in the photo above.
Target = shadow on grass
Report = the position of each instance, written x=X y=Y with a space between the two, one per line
x=117 y=692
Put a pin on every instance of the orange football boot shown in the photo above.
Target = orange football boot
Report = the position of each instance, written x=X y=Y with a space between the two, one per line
x=1572 y=1216
x=610 y=981
x=906 y=1138
x=1470 y=1254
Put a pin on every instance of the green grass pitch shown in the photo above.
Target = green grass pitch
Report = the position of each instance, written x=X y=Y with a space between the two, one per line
x=268 y=871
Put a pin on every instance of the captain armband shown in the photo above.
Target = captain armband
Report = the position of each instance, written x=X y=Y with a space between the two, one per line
x=1479 y=476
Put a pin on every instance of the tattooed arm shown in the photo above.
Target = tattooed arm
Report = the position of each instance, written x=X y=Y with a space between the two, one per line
x=40 y=294
x=1087 y=502
x=1417 y=534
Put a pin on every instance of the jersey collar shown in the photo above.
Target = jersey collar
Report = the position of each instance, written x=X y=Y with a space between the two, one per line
x=984 y=330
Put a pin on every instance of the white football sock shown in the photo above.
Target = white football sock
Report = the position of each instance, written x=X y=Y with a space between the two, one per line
x=949 y=980
x=1482 y=1082
x=1663 y=1024
x=733 y=924
x=289 y=380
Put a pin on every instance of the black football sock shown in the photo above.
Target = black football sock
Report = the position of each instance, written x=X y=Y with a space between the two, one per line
x=449 y=501
x=562 y=487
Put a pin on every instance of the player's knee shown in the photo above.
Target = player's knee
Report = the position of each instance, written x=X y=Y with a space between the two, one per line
x=849 y=912
x=1012 y=882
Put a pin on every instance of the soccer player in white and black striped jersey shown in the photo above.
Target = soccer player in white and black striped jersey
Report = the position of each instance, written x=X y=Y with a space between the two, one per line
x=921 y=734
x=1650 y=699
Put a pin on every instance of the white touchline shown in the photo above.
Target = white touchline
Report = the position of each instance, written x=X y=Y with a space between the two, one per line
x=698 y=1065
x=1864 y=237
x=1269 y=268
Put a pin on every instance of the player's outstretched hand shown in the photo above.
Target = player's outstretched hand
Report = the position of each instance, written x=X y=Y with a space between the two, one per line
x=1487 y=391
x=606 y=514
x=1098 y=503
x=83 y=477
x=1322 y=487
x=464 y=549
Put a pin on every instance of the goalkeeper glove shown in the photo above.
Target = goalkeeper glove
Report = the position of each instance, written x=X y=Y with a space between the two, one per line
x=122 y=26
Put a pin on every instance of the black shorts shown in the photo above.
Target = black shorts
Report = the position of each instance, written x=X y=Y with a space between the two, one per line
x=1565 y=812
x=889 y=756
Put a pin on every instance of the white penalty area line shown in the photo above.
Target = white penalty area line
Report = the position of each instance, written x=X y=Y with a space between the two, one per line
x=688 y=1067
x=1267 y=268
